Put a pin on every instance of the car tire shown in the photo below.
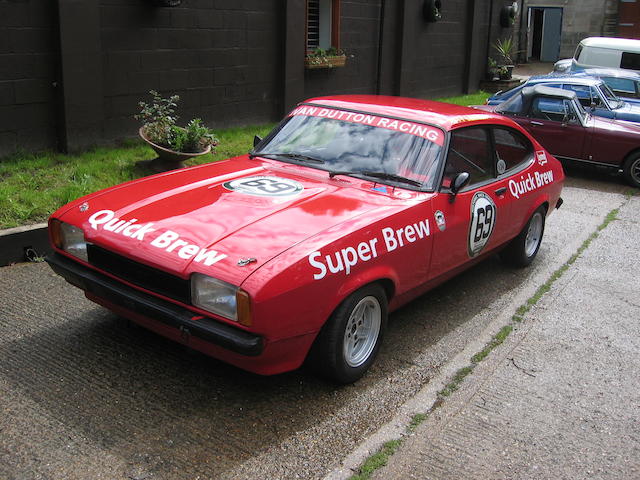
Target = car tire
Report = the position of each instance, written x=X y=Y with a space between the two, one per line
x=631 y=170
x=349 y=342
x=521 y=251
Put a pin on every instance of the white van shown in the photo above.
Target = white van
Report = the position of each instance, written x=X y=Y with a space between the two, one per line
x=602 y=52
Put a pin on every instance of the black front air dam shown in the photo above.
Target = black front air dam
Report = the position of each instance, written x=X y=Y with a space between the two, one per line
x=168 y=313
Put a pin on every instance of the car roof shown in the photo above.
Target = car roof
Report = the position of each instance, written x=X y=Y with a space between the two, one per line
x=445 y=115
x=548 y=92
x=527 y=94
x=564 y=78
x=610 y=42
x=610 y=72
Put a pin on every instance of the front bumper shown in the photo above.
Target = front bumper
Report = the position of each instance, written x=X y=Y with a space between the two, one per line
x=106 y=288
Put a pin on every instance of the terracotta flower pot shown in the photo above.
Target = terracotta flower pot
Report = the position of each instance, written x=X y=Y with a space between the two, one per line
x=169 y=159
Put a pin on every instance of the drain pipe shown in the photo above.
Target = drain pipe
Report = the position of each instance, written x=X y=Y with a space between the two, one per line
x=489 y=32
x=380 y=45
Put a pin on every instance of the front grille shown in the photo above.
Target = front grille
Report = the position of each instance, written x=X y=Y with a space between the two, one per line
x=138 y=274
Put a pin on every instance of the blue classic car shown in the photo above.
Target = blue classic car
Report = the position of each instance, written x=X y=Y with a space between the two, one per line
x=593 y=93
x=624 y=83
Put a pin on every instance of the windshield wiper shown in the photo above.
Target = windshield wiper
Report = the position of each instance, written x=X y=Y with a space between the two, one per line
x=380 y=175
x=291 y=156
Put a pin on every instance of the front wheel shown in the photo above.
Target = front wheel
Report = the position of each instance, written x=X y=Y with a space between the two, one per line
x=523 y=249
x=349 y=342
x=631 y=170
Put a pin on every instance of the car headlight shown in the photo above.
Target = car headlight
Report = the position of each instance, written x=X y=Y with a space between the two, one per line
x=69 y=238
x=220 y=298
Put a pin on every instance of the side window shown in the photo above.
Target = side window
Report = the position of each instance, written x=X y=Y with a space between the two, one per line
x=596 y=97
x=469 y=151
x=323 y=24
x=512 y=149
x=582 y=91
x=548 y=109
x=630 y=61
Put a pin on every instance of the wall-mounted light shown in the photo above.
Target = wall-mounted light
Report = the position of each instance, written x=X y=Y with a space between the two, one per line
x=432 y=10
x=508 y=15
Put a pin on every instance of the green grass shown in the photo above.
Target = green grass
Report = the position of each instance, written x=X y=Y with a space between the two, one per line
x=33 y=186
x=377 y=460
x=477 y=98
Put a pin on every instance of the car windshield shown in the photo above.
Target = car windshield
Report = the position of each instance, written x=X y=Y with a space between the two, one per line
x=512 y=106
x=389 y=151
x=611 y=97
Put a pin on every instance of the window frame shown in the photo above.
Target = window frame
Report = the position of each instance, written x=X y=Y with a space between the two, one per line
x=490 y=132
x=335 y=25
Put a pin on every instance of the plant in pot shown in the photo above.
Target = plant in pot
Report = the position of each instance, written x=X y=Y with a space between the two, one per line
x=506 y=49
x=325 y=58
x=173 y=144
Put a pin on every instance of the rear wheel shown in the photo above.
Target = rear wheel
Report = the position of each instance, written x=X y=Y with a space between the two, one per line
x=349 y=342
x=631 y=170
x=523 y=249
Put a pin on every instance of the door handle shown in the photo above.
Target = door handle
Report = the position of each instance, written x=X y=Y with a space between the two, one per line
x=501 y=191
x=539 y=124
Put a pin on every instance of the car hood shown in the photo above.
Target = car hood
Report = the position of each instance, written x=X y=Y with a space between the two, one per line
x=208 y=218
x=628 y=110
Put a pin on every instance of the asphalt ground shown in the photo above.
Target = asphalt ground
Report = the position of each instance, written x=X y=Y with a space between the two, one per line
x=83 y=394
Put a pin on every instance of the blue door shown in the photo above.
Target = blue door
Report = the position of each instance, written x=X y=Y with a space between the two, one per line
x=551 y=30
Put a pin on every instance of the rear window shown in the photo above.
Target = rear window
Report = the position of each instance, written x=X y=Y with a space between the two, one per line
x=603 y=57
x=630 y=60
x=622 y=86
x=512 y=149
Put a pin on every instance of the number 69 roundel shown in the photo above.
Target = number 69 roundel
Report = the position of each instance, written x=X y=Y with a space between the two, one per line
x=483 y=219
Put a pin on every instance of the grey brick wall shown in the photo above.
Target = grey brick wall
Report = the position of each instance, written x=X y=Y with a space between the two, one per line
x=222 y=57
x=28 y=56
x=233 y=62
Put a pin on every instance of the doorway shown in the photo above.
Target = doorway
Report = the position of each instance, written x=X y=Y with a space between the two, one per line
x=544 y=29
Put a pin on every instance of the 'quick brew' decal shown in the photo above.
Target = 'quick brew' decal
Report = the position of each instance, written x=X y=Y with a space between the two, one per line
x=168 y=240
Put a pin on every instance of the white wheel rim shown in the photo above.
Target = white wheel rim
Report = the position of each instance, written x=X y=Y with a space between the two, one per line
x=361 y=332
x=534 y=235
x=635 y=171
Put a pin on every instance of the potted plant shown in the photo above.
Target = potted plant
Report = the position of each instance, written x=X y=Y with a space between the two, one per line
x=325 y=58
x=172 y=143
x=506 y=50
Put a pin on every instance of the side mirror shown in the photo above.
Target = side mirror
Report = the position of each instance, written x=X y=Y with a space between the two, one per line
x=458 y=183
x=256 y=140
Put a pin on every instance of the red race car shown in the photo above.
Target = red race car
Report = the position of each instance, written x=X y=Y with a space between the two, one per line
x=350 y=208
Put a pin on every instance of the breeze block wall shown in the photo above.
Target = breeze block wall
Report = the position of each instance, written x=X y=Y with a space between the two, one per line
x=73 y=71
x=222 y=57
x=28 y=57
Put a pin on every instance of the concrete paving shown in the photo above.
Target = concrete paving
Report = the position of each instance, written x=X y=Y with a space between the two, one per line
x=560 y=398
x=84 y=395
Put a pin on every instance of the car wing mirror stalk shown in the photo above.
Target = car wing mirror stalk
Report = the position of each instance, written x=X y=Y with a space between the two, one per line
x=256 y=140
x=458 y=183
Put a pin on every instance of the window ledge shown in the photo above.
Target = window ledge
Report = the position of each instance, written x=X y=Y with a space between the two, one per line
x=333 y=61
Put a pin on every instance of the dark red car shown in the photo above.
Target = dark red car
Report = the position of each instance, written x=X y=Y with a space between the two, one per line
x=558 y=121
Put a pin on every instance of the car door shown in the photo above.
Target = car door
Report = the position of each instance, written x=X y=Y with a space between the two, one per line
x=477 y=218
x=552 y=121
